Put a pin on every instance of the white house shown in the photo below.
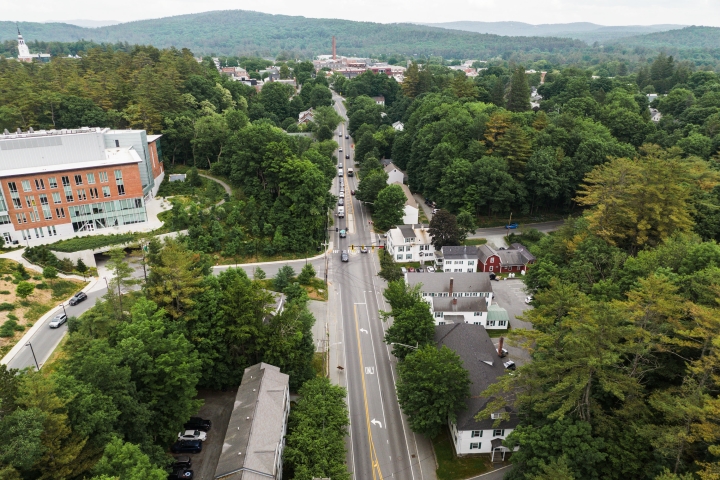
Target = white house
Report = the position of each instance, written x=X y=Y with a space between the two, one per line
x=411 y=213
x=410 y=243
x=399 y=126
x=455 y=297
x=395 y=175
x=458 y=259
x=379 y=100
x=480 y=358
x=306 y=117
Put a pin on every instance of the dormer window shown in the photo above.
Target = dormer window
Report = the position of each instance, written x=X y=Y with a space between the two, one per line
x=495 y=416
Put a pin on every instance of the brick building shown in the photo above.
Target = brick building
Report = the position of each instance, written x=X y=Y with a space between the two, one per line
x=59 y=183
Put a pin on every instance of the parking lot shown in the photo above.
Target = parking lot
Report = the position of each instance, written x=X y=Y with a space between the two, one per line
x=217 y=408
x=510 y=295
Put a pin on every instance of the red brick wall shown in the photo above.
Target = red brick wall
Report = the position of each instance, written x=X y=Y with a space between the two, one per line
x=157 y=166
x=131 y=180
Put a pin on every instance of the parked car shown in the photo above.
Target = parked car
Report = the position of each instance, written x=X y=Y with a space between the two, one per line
x=192 y=435
x=403 y=269
x=411 y=269
x=197 y=423
x=435 y=210
x=344 y=256
x=182 y=462
x=430 y=269
x=340 y=134
x=363 y=249
x=343 y=233
x=77 y=298
x=186 y=446
x=528 y=299
x=420 y=270
x=59 y=319
x=511 y=225
x=181 y=474
x=342 y=194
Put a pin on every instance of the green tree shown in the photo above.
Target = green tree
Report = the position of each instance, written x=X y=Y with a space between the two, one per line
x=389 y=207
x=413 y=324
x=371 y=185
x=289 y=343
x=283 y=277
x=389 y=270
x=81 y=267
x=444 y=230
x=24 y=289
x=432 y=386
x=50 y=273
x=258 y=274
x=519 y=96
x=127 y=461
x=193 y=178
x=121 y=277
x=306 y=274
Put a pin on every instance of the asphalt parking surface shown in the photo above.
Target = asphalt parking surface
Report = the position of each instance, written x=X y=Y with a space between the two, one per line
x=510 y=295
x=217 y=408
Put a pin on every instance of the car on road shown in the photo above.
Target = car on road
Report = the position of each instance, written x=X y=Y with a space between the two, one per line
x=77 y=298
x=343 y=233
x=340 y=165
x=58 y=320
x=181 y=474
x=411 y=269
x=342 y=194
x=511 y=226
x=192 y=435
x=340 y=134
x=197 y=423
x=186 y=446
x=183 y=461
x=341 y=201
x=347 y=136
x=340 y=149
x=347 y=156
x=352 y=192
x=340 y=172
x=344 y=257
x=363 y=249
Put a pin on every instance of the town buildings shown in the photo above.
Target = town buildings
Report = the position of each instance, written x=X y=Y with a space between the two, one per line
x=395 y=175
x=24 y=54
x=481 y=359
x=55 y=184
x=410 y=243
x=457 y=259
x=255 y=437
x=515 y=259
x=411 y=211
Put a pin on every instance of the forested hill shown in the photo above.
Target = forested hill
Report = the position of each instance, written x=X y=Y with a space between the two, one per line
x=240 y=32
x=690 y=37
x=585 y=31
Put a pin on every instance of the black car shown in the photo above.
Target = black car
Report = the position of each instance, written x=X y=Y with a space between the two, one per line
x=197 y=423
x=181 y=474
x=347 y=156
x=186 y=446
x=344 y=256
x=182 y=461
x=347 y=136
x=77 y=298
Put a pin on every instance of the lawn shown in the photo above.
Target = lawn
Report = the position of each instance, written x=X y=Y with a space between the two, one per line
x=451 y=467
x=475 y=241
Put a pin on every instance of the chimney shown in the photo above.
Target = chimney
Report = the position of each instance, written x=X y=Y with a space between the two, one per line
x=451 y=285
x=500 y=345
x=454 y=301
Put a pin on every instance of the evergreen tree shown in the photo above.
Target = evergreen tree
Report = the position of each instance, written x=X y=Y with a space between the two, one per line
x=519 y=96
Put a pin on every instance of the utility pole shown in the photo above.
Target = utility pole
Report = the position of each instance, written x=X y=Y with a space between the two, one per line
x=28 y=344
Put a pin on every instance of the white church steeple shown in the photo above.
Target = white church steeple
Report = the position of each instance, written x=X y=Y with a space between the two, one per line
x=23 y=50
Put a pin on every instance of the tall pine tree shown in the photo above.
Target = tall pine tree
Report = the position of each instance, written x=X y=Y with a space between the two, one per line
x=519 y=96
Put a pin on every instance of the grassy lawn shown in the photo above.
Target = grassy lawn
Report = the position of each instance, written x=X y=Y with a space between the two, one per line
x=475 y=241
x=489 y=222
x=451 y=467
x=318 y=363
x=317 y=290
x=493 y=333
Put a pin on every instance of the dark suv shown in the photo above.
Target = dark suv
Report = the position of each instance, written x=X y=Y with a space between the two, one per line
x=197 y=423
x=186 y=446
x=77 y=298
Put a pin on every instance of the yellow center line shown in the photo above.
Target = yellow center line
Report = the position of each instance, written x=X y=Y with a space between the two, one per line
x=376 y=473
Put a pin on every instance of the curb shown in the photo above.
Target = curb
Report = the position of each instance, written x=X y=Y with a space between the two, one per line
x=36 y=326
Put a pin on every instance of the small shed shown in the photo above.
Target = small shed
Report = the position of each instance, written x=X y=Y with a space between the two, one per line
x=177 y=177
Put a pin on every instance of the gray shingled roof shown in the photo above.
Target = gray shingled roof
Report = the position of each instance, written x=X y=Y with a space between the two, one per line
x=462 y=281
x=463 y=251
x=484 y=252
x=474 y=347
x=464 y=304
x=255 y=431
x=516 y=255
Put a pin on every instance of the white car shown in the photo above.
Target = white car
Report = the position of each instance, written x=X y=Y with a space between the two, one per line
x=341 y=194
x=528 y=299
x=430 y=269
x=340 y=149
x=192 y=435
x=58 y=320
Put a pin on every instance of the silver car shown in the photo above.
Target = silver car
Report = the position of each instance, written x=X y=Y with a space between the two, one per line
x=58 y=320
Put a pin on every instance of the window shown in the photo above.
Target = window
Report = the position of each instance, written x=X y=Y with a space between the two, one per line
x=103 y=177
x=117 y=143
x=30 y=201
x=4 y=219
x=476 y=433
x=399 y=256
x=66 y=181
x=490 y=269
x=106 y=191
x=119 y=182
x=12 y=187
x=502 y=323
x=438 y=314
x=474 y=446
x=51 y=231
x=495 y=416
x=118 y=175
x=39 y=184
x=476 y=314
x=17 y=203
x=78 y=180
x=491 y=323
x=68 y=194
x=53 y=182
x=498 y=433
x=408 y=256
x=21 y=218
x=47 y=213
x=60 y=212
x=471 y=262
x=81 y=194
x=441 y=323
x=26 y=186
x=43 y=199
x=91 y=178
x=492 y=259
x=56 y=197
x=93 y=192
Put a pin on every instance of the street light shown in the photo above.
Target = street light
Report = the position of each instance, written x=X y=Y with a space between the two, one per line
x=416 y=347
x=63 y=306
x=28 y=344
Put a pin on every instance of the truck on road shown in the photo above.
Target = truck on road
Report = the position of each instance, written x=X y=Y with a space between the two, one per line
x=341 y=212
x=351 y=173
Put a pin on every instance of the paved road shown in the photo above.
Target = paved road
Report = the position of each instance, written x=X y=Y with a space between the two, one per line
x=380 y=444
x=497 y=235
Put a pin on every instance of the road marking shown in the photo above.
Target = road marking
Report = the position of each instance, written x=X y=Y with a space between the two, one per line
x=362 y=329
x=370 y=370
x=375 y=464
x=376 y=422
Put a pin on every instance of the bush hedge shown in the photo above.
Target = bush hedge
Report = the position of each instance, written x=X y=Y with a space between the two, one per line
x=90 y=243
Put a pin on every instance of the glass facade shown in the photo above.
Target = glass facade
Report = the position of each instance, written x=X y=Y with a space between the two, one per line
x=113 y=213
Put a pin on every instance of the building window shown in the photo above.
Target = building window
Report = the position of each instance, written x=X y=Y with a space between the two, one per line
x=498 y=433
x=68 y=194
x=91 y=178
x=60 y=212
x=26 y=186
x=93 y=192
x=438 y=314
x=78 y=180
x=39 y=184
x=21 y=218
x=5 y=219
x=117 y=143
x=119 y=182
x=81 y=194
x=490 y=269
x=12 y=187
x=441 y=323
x=66 y=181
x=471 y=262
x=476 y=433
x=399 y=256
x=476 y=314
x=106 y=191
x=17 y=203
x=408 y=256
x=492 y=259
x=502 y=323
x=103 y=177
x=53 y=182
x=56 y=197
x=474 y=446
x=30 y=200
x=47 y=213
x=491 y=323
x=43 y=199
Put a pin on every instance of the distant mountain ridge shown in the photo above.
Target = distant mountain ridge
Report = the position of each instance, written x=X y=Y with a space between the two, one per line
x=689 y=37
x=585 y=31
x=241 y=32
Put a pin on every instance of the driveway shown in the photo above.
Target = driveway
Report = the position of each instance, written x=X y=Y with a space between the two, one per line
x=510 y=295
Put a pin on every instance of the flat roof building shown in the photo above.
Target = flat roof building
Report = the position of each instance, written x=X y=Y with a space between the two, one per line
x=58 y=183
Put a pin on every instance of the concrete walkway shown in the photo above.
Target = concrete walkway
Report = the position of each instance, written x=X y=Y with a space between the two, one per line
x=227 y=188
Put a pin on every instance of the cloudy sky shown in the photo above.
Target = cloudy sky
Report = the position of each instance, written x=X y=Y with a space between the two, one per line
x=605 y=12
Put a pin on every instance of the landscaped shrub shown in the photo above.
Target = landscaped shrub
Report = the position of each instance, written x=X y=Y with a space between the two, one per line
x=5 y=292
x=42 y=286
x=6 y=307
x=91 y=243
x=41 y=255
x=9 y=327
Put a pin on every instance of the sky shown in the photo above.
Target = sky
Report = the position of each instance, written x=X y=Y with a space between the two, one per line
x=604 y=12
